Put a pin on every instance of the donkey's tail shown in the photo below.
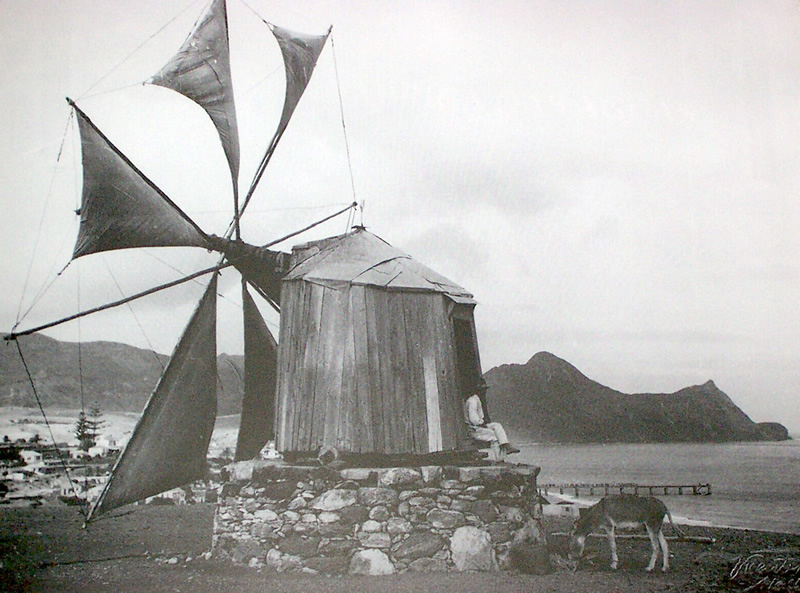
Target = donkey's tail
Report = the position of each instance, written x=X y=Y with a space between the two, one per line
x=678 y=530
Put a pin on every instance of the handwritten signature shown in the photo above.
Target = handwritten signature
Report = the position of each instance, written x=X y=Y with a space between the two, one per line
x=762 y=572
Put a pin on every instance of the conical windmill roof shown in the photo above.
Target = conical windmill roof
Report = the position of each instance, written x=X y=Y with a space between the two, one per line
x=362 y=258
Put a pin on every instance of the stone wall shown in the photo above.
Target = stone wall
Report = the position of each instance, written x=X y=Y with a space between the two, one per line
x=376 y=521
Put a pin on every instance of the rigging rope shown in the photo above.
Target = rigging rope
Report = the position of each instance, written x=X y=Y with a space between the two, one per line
x=80 y=365
x=344 y=127
x=135 y=318
x=136 y=49
x=47 y=423
x=37 y=296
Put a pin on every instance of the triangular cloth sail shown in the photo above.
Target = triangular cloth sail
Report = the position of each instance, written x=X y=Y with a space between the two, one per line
x=120 y=207
x=300 y=54
x=201 y=71
x=260 y=375
x=169 y=445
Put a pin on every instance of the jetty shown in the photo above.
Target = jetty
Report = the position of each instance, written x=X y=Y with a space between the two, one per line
x=627 y=488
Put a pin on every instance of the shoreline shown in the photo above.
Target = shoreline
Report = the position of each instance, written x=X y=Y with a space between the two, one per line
x=585 y=502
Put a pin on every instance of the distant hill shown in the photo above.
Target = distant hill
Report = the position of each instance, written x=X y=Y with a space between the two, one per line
x=549 y=400
x=116 y=376
x=545 y=400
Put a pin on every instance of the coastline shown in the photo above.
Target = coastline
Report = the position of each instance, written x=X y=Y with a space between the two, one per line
x=753 y=484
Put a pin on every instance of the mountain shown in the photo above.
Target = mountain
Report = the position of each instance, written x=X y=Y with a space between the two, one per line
x=549 y=400
x=545 y=400
x=116 y=376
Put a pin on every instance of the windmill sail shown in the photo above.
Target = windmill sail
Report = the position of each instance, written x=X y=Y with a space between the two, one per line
x=260 y=369
x=300 y=53
x=201 y=71
x=120 y=207
x=168 y=448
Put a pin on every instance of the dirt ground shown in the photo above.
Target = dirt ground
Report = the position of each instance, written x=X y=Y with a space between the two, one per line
x=159 y=549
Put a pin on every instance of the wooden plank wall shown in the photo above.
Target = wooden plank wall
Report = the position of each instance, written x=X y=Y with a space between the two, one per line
x=360 y=369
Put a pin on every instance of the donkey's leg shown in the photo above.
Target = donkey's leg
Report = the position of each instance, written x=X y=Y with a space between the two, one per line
x=664 y=551
x=612 y=543
x=654 y=546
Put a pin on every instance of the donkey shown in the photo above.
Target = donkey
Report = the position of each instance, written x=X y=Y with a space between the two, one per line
x=625 y=510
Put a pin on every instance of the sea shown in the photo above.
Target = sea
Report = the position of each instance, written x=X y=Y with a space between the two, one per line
x=754 y=485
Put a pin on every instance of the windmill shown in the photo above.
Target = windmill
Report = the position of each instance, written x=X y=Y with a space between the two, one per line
x=376 y=350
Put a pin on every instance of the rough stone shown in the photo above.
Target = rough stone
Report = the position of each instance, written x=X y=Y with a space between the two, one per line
x=349 y=485
x=406 y=494
x=442 y=519
x=246 y=548
x=328 y=564
x=280 y=490
x=461 y=505
x=371 y=496
x=513 y=514
x=264 y=531
x=328 y=517
x=500 y=532
x=241 y=471
x=375 y=540
x=485 y=509
x=306 y=547
x=421 y=501
x=371 y=526
x=397 y=525
x=297 y=504
x=371 y=562
x=358 y=474
x=282 y=562
x=335 y=499
x=469 y=474
x=335 y=530
x=290 y=516
x=397 y=476
x=428 y=565
x=338 y=547
x=430 y=472
x=452 y=485
x=354 y=514
x=379 y=513
x=471 y=549
x=418 y=545
x=266 y=515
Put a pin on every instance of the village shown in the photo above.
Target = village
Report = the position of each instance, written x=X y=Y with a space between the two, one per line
x=34 y=470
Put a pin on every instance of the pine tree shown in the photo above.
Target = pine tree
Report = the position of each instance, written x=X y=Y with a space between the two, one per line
x=85 y=440
x=94 y=423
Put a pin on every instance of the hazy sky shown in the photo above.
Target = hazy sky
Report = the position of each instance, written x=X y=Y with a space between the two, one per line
x=616 y=182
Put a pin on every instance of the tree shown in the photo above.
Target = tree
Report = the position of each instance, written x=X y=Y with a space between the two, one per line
x=85 y=439
x=94 y=423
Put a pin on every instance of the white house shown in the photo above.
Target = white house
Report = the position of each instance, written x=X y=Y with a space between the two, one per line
x=31 y=457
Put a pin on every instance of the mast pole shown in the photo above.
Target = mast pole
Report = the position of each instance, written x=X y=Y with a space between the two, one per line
x=15 y=335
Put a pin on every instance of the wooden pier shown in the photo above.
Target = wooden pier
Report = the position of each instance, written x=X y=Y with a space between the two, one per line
x=627 y=488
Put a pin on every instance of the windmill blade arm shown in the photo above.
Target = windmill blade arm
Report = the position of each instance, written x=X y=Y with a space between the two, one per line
x=260 y=266
x=138 y=295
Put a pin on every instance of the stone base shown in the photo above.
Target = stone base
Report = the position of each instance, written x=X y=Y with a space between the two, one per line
x=376 y=520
